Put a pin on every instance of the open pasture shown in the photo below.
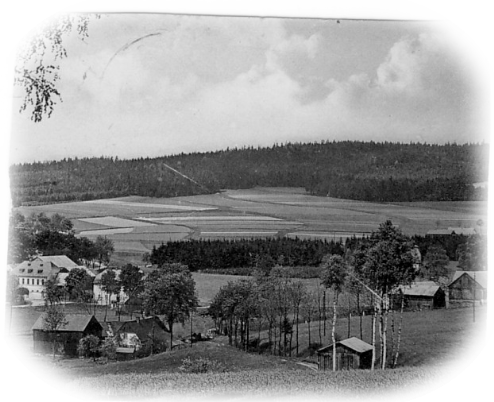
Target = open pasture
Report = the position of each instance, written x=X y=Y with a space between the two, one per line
x=255 y=212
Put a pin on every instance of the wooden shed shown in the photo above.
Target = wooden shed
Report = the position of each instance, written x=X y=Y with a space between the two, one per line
x=467 y=285
x=351 y=354
x=66 y=339
x=419 y=295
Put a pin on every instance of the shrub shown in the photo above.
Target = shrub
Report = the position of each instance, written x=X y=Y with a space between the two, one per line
x=89 y=346
x=108 y=348
x=201 y=365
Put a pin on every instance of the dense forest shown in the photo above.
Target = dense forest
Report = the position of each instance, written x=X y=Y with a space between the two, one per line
x=237 y=255
x=368 y=171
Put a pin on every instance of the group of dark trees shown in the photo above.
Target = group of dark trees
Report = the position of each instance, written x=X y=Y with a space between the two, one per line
x=244 y=255
x=367 y=171
x=228 y=254
x=371 y=273
x=39 y=234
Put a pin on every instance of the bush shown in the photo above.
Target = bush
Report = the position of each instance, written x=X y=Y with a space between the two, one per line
x=108 y=348
x=89 y=346
x=201 y=365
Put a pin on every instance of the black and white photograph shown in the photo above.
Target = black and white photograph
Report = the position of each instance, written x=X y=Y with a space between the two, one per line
x=270 y=203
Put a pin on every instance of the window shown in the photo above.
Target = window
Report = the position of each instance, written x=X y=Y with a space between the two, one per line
x=42 y=281
x=37 y=281
x=40 y=271
x=29 y=271
x=22 y=281
x=22 y=270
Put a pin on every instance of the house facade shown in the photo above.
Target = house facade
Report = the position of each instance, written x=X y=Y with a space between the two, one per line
x=420 y=295
x=32 y=276
x=468 y=285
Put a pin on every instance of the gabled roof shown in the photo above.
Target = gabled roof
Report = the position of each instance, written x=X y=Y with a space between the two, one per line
x=59 y=261
x=145 y=329
x=440 y=232
x=75 y=322
x=463 y=231
x=480 y=277
x=352 y=343
x=426 y=288
x=34 y=268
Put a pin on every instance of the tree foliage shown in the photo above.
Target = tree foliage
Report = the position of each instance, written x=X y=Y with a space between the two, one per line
x=380 y=172
x=170 y=292
x=473 y=254
x=37 y=71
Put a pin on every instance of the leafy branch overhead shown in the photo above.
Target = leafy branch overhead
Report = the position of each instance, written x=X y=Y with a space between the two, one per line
x=37 y=71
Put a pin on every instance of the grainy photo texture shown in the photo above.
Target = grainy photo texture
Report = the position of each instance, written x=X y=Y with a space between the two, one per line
x=246 y=207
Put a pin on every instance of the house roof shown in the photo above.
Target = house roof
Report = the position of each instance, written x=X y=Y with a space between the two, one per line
x=59 y=261
x=75 y=322
x=440 y=232
x=34 y=268
x=463 y=231
x=97 y=278
x=353 y=343
x=426 y=288
x=145 y=329
x=480 y=277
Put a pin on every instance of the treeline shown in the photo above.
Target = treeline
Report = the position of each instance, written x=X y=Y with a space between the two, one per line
x=369 y=171
x=38 y=234
x=232 y=254
x=240 y=257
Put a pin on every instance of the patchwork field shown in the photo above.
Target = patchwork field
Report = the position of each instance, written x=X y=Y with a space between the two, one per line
x=136 y=224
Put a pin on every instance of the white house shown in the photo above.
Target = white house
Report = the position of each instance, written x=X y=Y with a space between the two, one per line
x=101 y=296
x=32 y=275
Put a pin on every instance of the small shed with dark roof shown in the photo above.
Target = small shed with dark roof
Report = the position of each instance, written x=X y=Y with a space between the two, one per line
x=65 y=339
x=351 y=354
x=468 y=285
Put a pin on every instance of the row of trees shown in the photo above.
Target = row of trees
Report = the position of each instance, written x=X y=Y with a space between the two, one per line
x=231 y=255
x=351 y=169
x=371 y=273
x=38 y=234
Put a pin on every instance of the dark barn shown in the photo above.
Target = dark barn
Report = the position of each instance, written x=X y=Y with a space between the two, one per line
x=351 y=354
x=420 y=295
x=468 y=285
x=66 y=338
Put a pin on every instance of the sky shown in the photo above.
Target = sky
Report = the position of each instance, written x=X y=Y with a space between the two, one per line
x=145 y=85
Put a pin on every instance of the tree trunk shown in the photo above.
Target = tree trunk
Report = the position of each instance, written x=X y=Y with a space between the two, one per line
x=324 y=311
x=385 y=329
x=296 y=336
x=333 y=331
x=395 y=361
x=374 y=316
x=170 y=324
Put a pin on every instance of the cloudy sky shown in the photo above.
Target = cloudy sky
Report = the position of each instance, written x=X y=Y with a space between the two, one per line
x=150 y=85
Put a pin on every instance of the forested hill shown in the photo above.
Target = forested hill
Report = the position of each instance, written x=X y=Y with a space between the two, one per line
x=355 y=170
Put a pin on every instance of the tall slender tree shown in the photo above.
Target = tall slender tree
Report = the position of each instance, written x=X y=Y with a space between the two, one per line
x=334 y=277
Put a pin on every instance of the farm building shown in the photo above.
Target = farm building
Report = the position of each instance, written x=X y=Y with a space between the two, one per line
x=351 y=354
x=467 y=285
x=141 y=333
x=67 y=338
x=33 y=274
x=420 y=295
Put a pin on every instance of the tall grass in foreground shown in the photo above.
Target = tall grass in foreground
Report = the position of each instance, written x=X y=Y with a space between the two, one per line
x=258 y=382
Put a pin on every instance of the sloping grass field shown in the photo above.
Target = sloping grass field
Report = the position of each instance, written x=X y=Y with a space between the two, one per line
x=251 y=213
